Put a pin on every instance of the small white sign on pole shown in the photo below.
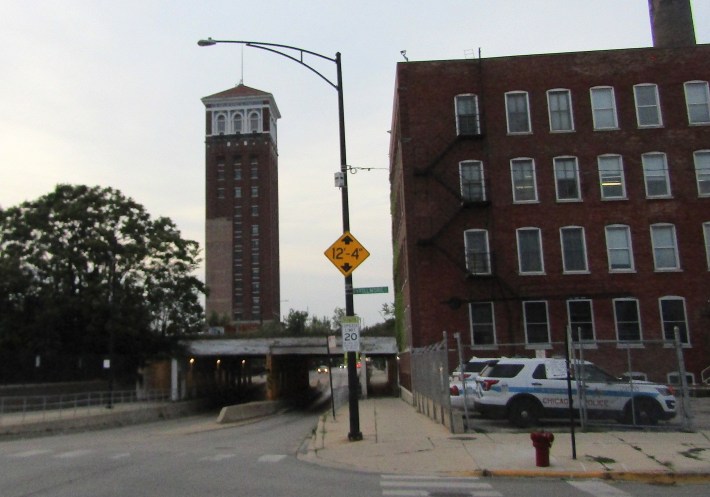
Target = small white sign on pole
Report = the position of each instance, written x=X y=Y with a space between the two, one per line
x=351 y=335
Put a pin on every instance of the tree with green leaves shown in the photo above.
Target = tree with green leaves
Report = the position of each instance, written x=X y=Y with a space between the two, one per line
x=86 y=270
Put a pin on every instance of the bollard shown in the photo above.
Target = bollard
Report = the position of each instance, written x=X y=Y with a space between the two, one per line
x=542 y=441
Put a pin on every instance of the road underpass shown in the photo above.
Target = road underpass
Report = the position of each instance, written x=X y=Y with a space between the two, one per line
x=279 y=367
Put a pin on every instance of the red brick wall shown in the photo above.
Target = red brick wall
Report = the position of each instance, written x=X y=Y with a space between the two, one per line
x=428 y=207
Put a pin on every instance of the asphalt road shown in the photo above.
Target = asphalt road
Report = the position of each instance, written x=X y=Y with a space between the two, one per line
x=195 y=457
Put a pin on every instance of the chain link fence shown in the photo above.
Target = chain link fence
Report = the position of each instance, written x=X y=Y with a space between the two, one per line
x=632 y=367
x=430 y=383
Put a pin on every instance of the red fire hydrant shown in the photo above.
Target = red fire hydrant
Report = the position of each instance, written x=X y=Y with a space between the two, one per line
x=542 y=441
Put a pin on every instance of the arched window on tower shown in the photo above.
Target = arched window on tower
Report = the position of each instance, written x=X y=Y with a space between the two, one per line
x=254 y=122
x=237 y=122
x=221 y=124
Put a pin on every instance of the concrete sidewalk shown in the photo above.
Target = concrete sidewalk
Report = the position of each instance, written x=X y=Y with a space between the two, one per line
x=398 y=439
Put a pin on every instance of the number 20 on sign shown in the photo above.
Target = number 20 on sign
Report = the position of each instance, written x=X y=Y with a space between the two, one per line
x=351 y=336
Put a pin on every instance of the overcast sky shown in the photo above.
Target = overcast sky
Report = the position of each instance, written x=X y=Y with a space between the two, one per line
x=108 y=93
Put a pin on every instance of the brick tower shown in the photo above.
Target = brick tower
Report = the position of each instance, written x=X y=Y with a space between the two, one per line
x=671 y=23
x=242 y=215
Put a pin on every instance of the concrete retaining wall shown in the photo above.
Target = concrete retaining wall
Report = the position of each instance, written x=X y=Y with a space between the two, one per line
x=239 y=412
x=121 y=415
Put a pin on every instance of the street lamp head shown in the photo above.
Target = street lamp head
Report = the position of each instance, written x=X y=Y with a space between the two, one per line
x=207 y=43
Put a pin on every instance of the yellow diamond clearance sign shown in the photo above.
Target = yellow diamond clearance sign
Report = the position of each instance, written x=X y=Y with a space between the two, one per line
x=346 y=253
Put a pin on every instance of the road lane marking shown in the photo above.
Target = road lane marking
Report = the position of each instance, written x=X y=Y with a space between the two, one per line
x=73 y=453
x=30 y=453
x=271 y=458
x=598 y=488
x=217 y=457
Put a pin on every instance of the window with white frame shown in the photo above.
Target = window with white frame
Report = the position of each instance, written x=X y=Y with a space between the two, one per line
x=220 y=171
x=467 y=118
x=522 y=173
x=254 y=122
x=603 y=107
x=574 y=251
x=537 y=327
x=655 y=175
x=611 y=177
x=706 y=237
x=221 y=124
x=478 y=257
x=673 y=316
x=471 y=176
x=237 y=122
x=627 y=320
x=482 y=323
x=517 y=111
x=701 y=158
x=697 y=99
x=665 y=247
x=237 y=192
x=559 y=106
x=530 y=251
x=566 y=178
x=254 y=191
x=618 y=248
x=648 y=107
x=581 y=320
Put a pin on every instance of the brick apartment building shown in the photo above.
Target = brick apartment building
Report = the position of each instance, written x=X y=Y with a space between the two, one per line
x=242 y=225
x=534 y=192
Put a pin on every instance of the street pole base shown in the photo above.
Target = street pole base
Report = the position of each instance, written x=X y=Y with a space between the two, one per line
x=355 y=437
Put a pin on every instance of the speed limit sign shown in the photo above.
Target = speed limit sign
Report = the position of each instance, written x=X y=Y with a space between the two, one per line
x=351 y=336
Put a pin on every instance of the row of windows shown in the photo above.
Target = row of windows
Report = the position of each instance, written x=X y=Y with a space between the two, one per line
x=237 y=121
x=610 y=167
x=580 y=317
x=603 y=103
x=619 y=249
x=254 y=209
x=238 y=230
x=237 y=168
x=238 y=192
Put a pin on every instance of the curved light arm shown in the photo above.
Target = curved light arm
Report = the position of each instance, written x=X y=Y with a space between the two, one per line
x=273 y=47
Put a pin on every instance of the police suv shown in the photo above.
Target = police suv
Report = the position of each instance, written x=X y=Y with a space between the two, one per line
x=525 y=390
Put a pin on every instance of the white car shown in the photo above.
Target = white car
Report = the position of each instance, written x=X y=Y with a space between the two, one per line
x=457 y=381
x=472 y=368
x=525 y=390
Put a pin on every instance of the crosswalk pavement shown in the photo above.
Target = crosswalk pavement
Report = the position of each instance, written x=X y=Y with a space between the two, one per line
x=426 y=486
x=391 y=485
x=422 y=486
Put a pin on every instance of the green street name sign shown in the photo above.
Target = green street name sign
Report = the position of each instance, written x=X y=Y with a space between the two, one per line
x=370 y=289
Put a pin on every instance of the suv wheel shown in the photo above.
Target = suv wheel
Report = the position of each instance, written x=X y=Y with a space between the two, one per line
x=524 y=412
x=646 y=412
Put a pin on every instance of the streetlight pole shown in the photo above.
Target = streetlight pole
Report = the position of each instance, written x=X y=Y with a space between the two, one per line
x=355 y=433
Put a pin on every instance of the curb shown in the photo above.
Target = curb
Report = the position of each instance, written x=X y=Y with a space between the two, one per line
x=643 y=477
